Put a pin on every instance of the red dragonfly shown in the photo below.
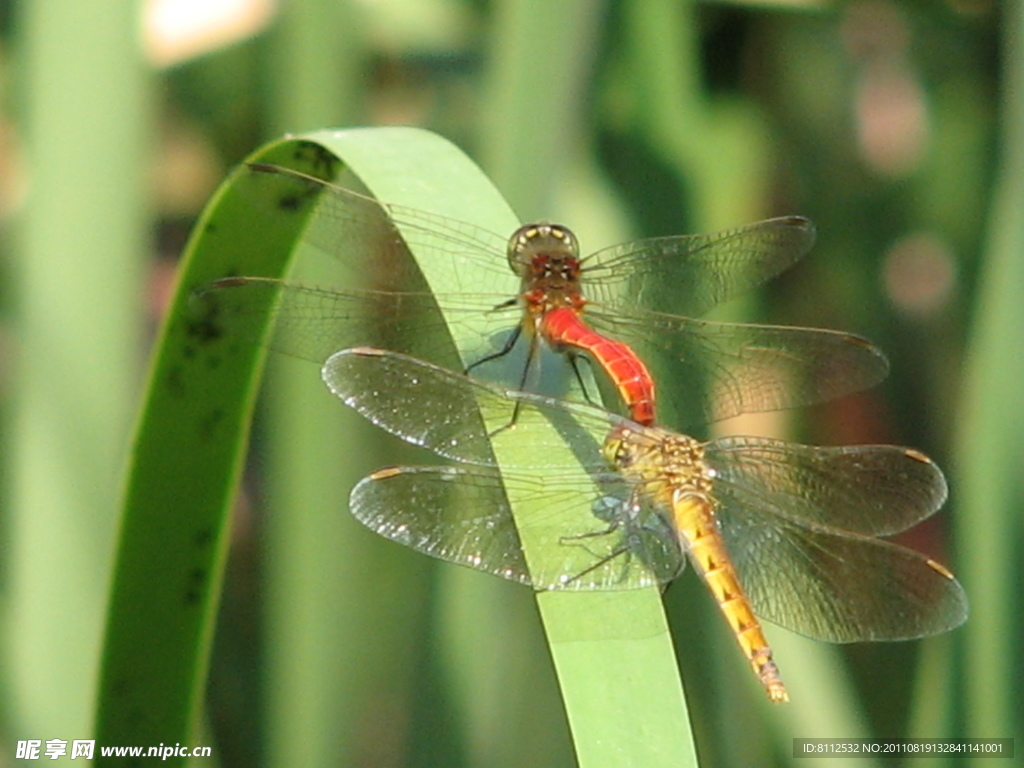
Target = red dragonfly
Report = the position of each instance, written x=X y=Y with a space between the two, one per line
x=574 y=304
x=777 y=530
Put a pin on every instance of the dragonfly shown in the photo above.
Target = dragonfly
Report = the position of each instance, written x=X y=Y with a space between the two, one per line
x=583 y=306
x=779 y=531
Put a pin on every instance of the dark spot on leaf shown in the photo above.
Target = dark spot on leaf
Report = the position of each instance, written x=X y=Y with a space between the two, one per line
x=195 y=585
x=175 y=382
x=204 y=324
x=120 y=686
x=293 y=202
x=202 y=538
x=323 y=163
x=209 y=426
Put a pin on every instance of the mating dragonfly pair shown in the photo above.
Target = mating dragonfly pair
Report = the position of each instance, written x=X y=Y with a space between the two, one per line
x=779 y=531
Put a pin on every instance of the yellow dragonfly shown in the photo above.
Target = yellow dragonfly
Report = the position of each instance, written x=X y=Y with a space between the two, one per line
x=778 y=531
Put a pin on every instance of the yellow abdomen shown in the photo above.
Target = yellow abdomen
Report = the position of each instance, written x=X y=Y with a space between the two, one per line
x=698 y=528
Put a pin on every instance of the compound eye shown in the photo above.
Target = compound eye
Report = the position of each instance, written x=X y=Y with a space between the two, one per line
x=567 y=237
x=610 y=450
x=517 y=250
x=616 y=452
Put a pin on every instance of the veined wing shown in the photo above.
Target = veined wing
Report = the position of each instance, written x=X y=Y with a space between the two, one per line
x=877 y=490
x=449 y=413
x=312 y=322
x=801 y=570
x=739 y=368
x=584 y=539
x=362 y=231
x=690 y=274
x=702 y=270
x=394 y=306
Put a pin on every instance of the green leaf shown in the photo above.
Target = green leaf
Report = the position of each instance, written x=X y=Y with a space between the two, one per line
x=991 y=427
x=612 y=651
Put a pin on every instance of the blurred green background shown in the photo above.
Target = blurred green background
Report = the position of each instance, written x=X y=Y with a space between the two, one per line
x=897 y=127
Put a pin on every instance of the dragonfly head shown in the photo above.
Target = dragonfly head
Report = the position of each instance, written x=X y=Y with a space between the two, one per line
x=543 y=249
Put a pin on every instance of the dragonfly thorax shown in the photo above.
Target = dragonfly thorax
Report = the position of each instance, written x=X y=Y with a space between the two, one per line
x=673 y=462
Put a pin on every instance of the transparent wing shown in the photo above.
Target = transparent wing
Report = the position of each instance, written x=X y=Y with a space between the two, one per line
x=693 y=272
x=875 y=490
x=737 y=368
x=731 y=369
x=461 y=515
x=448 y=413
x=842 y=588
x=393 y=307
x=690 y=274
x=362 y=231
x=805 y=574
x=313 y=322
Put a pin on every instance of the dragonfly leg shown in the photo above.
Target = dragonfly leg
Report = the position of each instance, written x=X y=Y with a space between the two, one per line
x=612 y=526
x=574 y=363
x=601 y=561
x=509 y=344
x=530 y=357
x=601 y=558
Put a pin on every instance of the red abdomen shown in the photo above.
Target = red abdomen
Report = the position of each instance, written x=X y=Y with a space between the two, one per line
x=564 y=327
